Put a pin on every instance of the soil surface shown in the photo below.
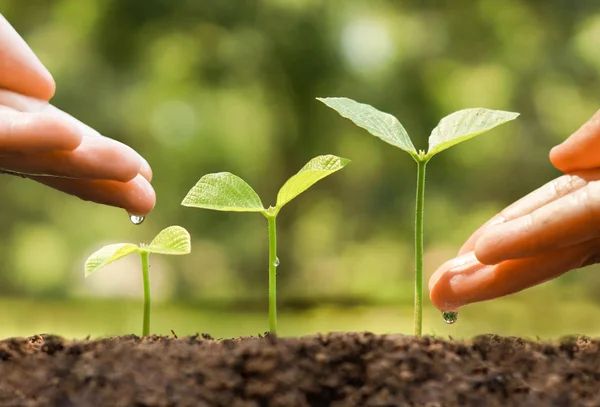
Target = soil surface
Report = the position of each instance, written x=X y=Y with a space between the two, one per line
x=357 y=369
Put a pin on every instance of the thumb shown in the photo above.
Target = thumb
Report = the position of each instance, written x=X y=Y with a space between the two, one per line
x=580 y=151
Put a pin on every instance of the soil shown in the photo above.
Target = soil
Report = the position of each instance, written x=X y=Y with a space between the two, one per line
x=351 y=369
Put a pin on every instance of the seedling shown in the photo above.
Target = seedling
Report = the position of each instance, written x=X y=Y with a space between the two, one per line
x=224 y=191
x=453 y=129
x=173 y=240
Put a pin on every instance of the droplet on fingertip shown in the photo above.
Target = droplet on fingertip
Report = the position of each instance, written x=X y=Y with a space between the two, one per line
x=136 y=219
x=450 y=317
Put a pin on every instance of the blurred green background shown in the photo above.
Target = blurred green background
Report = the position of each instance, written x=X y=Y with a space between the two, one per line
x=230 y=85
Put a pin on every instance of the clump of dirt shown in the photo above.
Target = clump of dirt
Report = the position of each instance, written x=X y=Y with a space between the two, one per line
x=337 y=370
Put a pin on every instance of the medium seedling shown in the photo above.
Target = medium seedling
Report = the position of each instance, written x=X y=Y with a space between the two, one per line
x=451 y=130
x=224 y=191
x=173 y=240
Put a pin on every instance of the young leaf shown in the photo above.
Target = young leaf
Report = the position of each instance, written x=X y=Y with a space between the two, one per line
x=465 y=124
x=315 y=170
x=380 y=124
x=107 y=255
x=223 y=191
x=172 y=240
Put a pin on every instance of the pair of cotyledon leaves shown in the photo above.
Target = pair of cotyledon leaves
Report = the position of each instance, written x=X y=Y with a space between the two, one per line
x=452 y=129
x=224 y=191
x=227 y=192
x=173 y=240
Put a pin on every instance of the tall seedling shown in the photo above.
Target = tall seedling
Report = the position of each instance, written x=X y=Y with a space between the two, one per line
x=453 y=129
x=224 y=191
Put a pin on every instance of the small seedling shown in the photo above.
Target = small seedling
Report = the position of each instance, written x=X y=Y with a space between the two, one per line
x=453 y=129
x=173 y=240
x=224 y=191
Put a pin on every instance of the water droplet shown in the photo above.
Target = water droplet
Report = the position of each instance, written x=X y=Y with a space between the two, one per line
x=276 y=262
x=136 y=220
x=450 y=317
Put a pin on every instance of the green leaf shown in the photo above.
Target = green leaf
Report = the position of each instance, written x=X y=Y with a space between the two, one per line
x=223 y=191
x=380 y=124
x=107 y=255
x=463 y=125
x=315 y=170
x=172 y=240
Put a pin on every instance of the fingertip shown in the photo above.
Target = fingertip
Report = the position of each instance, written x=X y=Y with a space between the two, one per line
x=146 y=170
x=578 y=152
x=485 y=250
x=47 y=88
x=143 y=198
x=444 y=284
x=131 y=166
x=108 y=159
x=557 y=157
x=66 y=136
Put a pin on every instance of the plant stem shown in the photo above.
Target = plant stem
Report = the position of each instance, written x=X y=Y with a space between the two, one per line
x=146 y=278
x=419 y=247
x=272 y=275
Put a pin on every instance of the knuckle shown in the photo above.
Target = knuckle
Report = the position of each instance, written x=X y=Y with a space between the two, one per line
x=565 y=184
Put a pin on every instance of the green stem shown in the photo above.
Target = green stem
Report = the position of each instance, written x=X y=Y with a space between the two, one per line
x=272 y=275
x=419 y=247
x=146 y=277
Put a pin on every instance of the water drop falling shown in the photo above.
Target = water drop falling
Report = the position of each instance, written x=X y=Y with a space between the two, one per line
x=136 y=220
x=276 y=262
x=450 y=317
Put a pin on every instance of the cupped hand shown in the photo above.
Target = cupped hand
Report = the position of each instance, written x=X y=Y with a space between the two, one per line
x=553 y=230
x=41 y=142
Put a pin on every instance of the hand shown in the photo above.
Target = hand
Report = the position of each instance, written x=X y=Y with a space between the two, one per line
x=553 y=230
x=41 y=142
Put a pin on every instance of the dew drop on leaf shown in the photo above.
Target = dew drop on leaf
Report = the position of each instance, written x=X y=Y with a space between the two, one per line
x=136 y=220
x=276 y=262
x=450 y=317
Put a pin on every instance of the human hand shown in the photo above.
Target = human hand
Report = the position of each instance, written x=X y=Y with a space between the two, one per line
x=553 y=230
x=41 y=142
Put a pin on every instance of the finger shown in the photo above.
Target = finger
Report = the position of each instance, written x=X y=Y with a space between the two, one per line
x=128 y=156
x=95 y=158
x=28 y=133
x=544 y=195
x=136 y=196
x=28 y=104
x=464 y=280
x=21 y=70
x=580 y=151
x=569 y=220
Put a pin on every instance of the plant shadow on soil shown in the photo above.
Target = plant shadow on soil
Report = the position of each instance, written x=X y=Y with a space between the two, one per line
x=337 y=369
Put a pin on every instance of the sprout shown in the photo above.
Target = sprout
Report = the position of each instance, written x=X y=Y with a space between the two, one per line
x=453 y=129
x=173 y=240
x=224 y=191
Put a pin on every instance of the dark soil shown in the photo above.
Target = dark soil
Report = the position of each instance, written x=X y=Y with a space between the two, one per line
x=330 y=370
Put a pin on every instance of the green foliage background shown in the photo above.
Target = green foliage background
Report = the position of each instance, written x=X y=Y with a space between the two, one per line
x=230 y=85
